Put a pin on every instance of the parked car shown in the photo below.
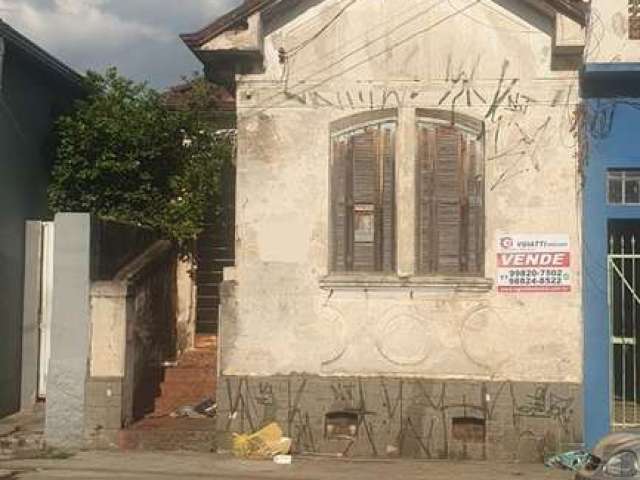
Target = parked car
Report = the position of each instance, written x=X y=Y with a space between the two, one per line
x=615 y=456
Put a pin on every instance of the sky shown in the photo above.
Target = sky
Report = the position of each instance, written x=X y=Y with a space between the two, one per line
x=140 y=37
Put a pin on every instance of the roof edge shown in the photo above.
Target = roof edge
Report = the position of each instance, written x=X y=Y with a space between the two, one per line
x=577 y=10
x=225 y=22
x=23 y=43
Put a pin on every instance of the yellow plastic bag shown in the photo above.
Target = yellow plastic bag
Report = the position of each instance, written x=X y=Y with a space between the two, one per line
x=263 y=444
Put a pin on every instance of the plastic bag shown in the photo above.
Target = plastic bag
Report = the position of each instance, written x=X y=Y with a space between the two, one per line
x=263 y=444
x=573 y=461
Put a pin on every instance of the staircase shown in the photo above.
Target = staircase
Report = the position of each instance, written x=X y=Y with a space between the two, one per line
x=187 y=384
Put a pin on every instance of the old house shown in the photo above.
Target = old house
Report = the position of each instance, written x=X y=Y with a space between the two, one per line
x=408 y=272
x=34 y=89
x=611 y=168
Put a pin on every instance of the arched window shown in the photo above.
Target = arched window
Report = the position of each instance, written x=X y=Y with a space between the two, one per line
x=450 y=194
x=363 y=193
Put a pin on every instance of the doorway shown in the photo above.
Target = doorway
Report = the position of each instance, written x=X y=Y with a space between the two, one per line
x=623 y=272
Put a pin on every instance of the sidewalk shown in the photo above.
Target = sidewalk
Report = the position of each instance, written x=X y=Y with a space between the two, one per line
x=148 y=466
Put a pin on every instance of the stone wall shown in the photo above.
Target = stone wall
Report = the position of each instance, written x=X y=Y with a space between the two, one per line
x=401 y=417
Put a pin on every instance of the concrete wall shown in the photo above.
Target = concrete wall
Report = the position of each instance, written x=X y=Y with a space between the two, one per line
x=288 y=316
x=613 y=143
x=70 y=331
x=410 y=418
x=109 y=337
x=29 y=103
x=609 y=33
x=133 y=320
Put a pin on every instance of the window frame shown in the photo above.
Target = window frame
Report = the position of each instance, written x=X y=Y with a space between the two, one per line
x=473 y=128
x=345 y=126
x=406 y=130
x=623 y=173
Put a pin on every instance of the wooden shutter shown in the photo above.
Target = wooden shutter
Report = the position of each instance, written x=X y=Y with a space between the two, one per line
x=634 y=19
x=341 y=156
x=475 y=214
x=388 y=203
x=363 y=193
x=449 y=202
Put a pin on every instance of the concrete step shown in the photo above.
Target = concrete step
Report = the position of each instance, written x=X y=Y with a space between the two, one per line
x=189 y=375
x=187 y=391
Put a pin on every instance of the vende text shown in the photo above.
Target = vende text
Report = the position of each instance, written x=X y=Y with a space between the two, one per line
x=528 y=260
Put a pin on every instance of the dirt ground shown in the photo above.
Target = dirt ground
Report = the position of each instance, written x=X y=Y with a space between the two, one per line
x=177 y=465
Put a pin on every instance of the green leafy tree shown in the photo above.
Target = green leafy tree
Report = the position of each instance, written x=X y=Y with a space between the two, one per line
x=123 y=155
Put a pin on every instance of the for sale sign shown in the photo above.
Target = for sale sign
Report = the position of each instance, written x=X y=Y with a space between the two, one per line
x=529 y=263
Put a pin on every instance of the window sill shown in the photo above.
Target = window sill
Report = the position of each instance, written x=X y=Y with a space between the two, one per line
x=385 y=282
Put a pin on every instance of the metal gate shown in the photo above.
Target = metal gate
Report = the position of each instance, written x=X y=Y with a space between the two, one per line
x=623 y=263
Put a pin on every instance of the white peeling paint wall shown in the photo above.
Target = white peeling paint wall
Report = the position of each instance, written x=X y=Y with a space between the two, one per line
x=609 y=33
x=403 y=54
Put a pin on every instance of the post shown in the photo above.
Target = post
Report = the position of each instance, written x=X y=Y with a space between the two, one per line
x=70 y=332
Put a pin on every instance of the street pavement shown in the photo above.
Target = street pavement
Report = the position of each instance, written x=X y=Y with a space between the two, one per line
x=187 y=466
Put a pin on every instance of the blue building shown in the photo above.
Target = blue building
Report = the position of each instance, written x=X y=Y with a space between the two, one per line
x=35 y=89
x=610 y=170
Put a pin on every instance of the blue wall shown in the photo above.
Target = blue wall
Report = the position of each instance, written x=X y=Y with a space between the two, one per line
x=29 y=102
x=613 y=132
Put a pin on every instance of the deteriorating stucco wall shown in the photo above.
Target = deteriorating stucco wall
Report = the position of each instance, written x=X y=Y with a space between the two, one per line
x=133 y=321
x=109 y=337
x=490 y=60
x=609 y=33
x=412 y=418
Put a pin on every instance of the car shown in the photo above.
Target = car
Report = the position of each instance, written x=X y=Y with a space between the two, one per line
x=616 y=456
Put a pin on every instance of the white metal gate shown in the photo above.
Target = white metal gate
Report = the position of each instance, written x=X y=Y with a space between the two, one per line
x=623 y=263
x=46 y=305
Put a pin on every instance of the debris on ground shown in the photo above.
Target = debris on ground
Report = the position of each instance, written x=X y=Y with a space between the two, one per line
x=206 y=408
x=573 y=461
x=283 y=459
x=266 y=443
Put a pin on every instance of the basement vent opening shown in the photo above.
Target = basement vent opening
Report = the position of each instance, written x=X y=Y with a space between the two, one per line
x=341 y=425
x=469 y=429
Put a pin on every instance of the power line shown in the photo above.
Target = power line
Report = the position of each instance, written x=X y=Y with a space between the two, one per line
x=294 y=51
x=359 y=63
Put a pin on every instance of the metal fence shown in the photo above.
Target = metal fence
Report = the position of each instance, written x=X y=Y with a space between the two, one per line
x=623 y=265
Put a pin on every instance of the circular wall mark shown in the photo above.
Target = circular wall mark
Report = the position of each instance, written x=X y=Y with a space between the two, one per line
x=404 y=339
x=485 y=338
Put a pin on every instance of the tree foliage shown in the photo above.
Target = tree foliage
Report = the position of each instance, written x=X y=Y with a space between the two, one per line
x=123 y=155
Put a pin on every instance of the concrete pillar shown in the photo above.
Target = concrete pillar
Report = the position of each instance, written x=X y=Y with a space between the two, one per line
x=406 y=191
x=70 y=332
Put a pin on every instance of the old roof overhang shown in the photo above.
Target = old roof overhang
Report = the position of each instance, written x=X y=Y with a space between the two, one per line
x=577 y=10
x=228 y=59
x=52 y=65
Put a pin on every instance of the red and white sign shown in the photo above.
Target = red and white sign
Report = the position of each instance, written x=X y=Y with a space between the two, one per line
x=529 y=263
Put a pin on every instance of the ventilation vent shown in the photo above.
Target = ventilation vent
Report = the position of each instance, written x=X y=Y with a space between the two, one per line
x=341 y=425
x=469 y=429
